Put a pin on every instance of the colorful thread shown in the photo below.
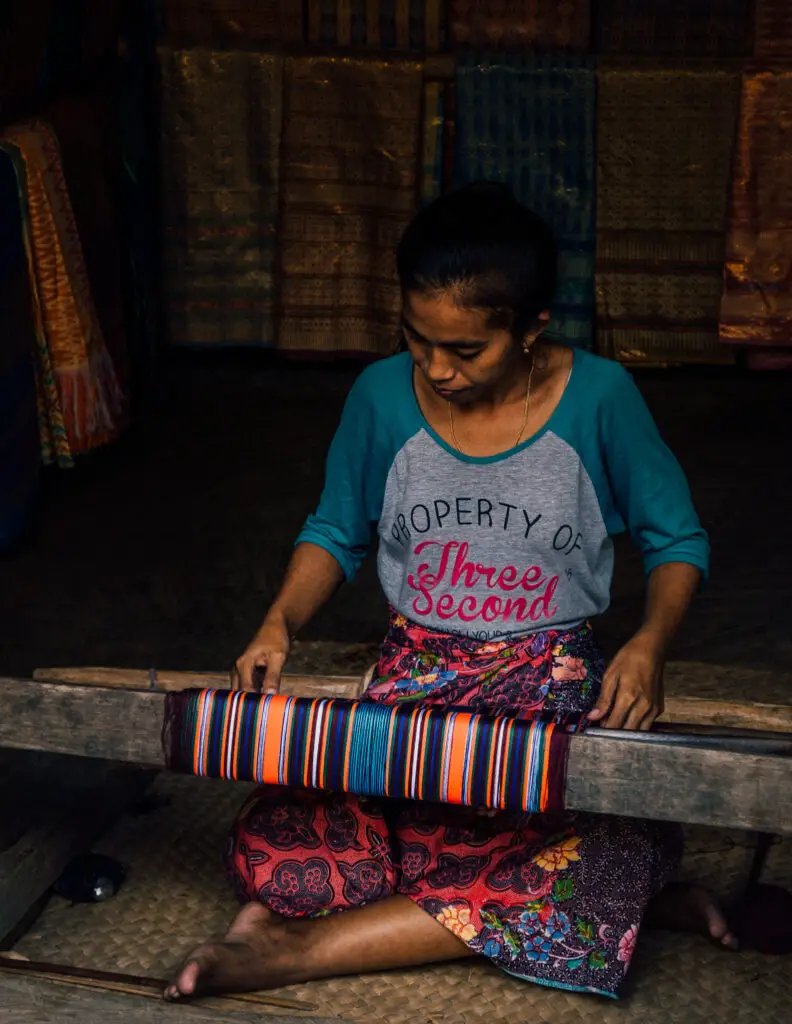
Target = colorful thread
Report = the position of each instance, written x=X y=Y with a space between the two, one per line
x=416 y=753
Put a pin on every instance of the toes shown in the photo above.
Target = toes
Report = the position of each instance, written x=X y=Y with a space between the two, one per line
x=186 y=983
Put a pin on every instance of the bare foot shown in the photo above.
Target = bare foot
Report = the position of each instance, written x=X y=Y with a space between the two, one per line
x=251 y=957
x=691 y=908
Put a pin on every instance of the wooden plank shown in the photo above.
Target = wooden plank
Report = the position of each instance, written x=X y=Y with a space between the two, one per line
x=51 y=809
x=613 y=775
x=134 y=985
x=690 y=710
x=139 y=679
x=45 y=1001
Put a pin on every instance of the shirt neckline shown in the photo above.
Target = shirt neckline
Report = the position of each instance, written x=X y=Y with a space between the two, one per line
x=499 y=456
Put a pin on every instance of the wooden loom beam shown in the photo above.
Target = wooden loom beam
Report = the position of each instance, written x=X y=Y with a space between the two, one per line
x=731 y=714
x=620 y=775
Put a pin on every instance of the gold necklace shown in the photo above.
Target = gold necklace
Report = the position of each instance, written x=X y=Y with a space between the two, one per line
x=525 y=413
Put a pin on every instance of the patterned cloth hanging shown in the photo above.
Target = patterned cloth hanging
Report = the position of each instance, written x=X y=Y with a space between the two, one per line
x=366 y=748
x=221 y=129
x=250 y=21
x=350 y=163
x=81 y=405
x=379 y=24
x=529 y=122
x=432 y=141
x=521 y=26
x=19 y=439
x=666 y=28
x=773 y=28
x=664 y=145
x=756 y=309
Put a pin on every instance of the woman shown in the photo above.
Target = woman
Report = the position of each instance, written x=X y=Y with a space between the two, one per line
x=495 y=467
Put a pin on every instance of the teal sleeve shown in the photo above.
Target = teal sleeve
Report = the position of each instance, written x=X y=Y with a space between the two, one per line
x=648 y=484
x=355 y=475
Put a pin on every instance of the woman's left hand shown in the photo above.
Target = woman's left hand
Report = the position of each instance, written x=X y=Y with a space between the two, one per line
x=632 y=689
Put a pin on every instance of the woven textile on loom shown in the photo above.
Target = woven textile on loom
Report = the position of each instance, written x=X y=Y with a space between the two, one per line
x=80 y=402
x=665 y=28
x=350 y=158
x=529 y=123
x=664 y=144
x=366 y=748
x=378 y=24
x=249 y=21
x=221 y=129
x=773 y=28
x=757 y=300
x=521 y=25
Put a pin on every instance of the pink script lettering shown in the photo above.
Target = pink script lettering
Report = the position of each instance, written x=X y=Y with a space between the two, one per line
x=455 y=570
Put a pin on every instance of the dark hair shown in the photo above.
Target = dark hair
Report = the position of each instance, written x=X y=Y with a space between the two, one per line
x=489 y=250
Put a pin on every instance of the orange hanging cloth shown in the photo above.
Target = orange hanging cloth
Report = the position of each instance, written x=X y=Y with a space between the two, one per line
x=81 y=405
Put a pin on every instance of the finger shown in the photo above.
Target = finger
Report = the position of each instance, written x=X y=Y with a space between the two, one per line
x=271 y=681
x=621 y=709
x=607 y=692
x=233 y=679
x=245 y=668
x=636 y=715
x=650 y=718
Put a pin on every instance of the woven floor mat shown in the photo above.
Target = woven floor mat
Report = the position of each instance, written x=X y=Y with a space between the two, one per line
x=175 y=896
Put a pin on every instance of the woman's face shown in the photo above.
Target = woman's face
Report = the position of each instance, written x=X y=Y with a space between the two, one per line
x=461 y=356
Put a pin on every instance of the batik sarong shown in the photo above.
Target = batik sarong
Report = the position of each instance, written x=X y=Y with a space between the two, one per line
x=529 y=123
x=350 y=158
x=556 y=899
x=664 y=146
x=757 y=299
x=221 y=129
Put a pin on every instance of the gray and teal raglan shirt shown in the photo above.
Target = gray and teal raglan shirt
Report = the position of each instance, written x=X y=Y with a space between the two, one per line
x=512 y=543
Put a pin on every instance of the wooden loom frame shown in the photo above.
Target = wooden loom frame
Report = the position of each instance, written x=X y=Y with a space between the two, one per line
x=116 y=715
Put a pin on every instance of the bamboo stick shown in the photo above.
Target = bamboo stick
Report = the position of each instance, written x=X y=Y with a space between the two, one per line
x=130 y=984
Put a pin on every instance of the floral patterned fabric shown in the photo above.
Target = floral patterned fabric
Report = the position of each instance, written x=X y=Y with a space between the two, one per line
x=555 y=899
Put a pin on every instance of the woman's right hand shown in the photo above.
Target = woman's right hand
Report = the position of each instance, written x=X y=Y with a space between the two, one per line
x=264 y=658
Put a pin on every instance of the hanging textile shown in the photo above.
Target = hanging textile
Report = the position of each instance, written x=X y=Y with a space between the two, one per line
x=757 y=301
x=432 y=142
x=212 y=22
x=525 y=25
x=529 y=122
x=350 y=163
x=85 y=129
x=221 y=127
x=81 y=404
x=379 y=24
x=664 y=143
x=19 y=439
x=684 y=28
x=773 y=28
x=408 y=752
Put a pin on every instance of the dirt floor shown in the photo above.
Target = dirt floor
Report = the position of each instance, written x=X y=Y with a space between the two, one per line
x=166 y=549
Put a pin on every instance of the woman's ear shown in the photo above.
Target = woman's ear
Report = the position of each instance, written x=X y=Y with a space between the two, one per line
x=540 y=325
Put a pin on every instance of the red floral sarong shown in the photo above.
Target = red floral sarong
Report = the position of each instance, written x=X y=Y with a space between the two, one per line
x=555 y=899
